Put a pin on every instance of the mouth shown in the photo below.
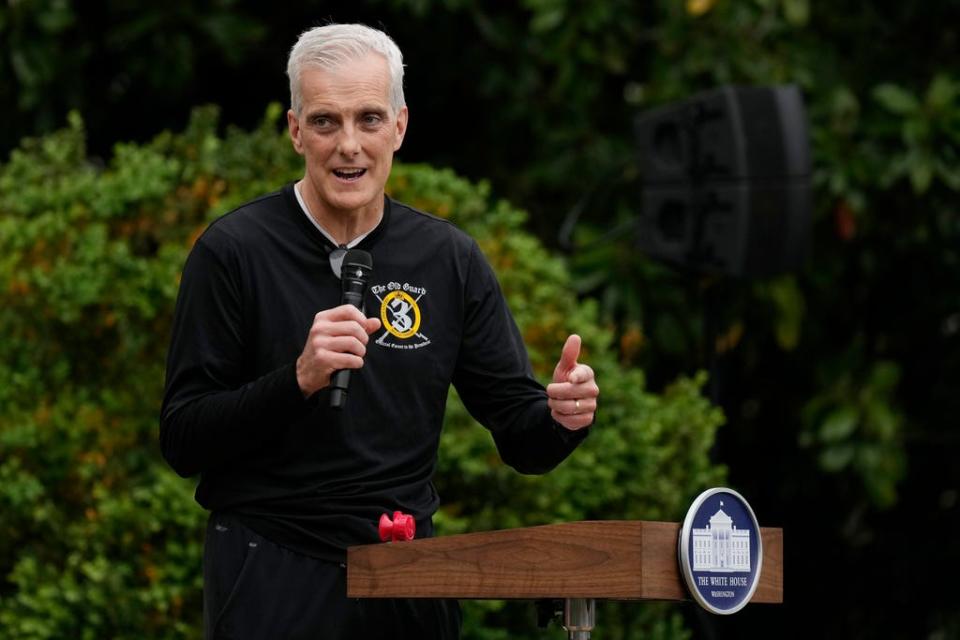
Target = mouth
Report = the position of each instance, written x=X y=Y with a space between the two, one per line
x=349 y=174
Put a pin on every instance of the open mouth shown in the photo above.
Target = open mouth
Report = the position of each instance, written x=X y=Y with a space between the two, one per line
x=349 y=174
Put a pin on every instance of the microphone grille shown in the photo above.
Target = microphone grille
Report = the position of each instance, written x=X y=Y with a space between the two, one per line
x=358 y=258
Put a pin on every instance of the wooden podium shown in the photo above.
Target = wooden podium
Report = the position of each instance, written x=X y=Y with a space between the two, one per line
x=577 y=562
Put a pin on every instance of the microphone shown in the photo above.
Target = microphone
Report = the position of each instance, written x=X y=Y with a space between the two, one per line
x=354 y=276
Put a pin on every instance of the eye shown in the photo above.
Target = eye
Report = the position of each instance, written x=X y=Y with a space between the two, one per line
x=321 y=122
x=371 y=119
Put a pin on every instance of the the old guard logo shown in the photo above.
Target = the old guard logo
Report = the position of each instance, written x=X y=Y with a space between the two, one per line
x=720 y=551
x=400 y=315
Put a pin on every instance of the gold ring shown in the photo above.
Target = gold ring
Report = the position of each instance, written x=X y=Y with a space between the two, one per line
x=576 y=403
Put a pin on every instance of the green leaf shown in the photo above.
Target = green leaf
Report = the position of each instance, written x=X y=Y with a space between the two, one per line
x=797 y=12
x=882 y=421
x=791 y=307
x=916 y=132
x=885 y=375
x=942 y=93
x=896 y=99
x=837 y=458
x=547 y=20
x=839 y=424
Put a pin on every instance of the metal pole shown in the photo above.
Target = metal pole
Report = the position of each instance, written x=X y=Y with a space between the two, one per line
x=579 y=616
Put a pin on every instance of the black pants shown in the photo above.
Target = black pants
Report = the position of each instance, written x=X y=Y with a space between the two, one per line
x=256 y=590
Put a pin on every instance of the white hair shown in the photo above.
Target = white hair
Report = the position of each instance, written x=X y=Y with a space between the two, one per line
x=330 y=46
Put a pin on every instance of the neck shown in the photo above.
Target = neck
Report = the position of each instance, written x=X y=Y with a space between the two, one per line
x=343 y=225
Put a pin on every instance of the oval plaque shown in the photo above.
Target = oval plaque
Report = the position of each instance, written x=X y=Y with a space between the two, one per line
x=720 y=551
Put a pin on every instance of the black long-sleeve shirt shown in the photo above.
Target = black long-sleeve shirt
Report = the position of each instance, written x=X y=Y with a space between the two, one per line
x=309 y=477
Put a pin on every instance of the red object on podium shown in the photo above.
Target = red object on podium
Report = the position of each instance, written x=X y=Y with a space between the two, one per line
x=402 y=527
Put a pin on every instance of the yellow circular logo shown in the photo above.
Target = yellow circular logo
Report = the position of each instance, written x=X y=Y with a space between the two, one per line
x=400 y=315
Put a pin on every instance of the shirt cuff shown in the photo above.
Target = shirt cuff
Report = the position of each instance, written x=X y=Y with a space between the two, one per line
x=571 y=437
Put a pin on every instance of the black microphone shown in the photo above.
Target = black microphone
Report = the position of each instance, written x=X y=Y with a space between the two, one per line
x=355 y=274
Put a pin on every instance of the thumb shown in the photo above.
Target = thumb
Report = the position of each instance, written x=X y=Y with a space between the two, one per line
x=371 y=324
x=568 y=358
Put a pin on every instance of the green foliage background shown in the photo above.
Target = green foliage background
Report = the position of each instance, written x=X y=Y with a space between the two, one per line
x=839 y=381
x=98 y=539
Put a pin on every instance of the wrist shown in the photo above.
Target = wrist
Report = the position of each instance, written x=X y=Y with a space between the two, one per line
x=302 y=379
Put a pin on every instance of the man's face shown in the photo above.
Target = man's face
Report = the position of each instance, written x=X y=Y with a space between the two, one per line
x=347 y=133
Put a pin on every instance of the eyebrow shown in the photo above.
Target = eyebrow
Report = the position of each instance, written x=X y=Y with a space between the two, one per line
x=363 y=109
x=380 y=111
x=321 y=113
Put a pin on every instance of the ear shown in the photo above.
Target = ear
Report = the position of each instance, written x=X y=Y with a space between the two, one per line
x=293 y=126
x=402 y=117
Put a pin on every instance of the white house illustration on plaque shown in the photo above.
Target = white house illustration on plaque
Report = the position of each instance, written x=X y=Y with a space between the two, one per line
x=721 y=546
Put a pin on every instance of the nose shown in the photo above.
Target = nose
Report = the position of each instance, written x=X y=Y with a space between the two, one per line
x=349 y=143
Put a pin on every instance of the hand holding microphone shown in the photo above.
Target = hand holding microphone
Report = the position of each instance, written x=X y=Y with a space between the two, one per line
x=338 y=337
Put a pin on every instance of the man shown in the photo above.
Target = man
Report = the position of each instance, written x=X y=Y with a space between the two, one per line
x=259 y=330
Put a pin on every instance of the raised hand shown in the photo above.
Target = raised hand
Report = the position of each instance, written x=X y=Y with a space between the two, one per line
x=572 y=396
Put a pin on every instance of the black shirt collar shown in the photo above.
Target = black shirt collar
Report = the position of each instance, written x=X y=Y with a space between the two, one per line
x=366 y=244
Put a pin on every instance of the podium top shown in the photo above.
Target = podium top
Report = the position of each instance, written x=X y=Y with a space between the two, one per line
x=610 y=559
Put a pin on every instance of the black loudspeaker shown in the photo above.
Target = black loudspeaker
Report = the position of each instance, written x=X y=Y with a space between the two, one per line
x=726 y=181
